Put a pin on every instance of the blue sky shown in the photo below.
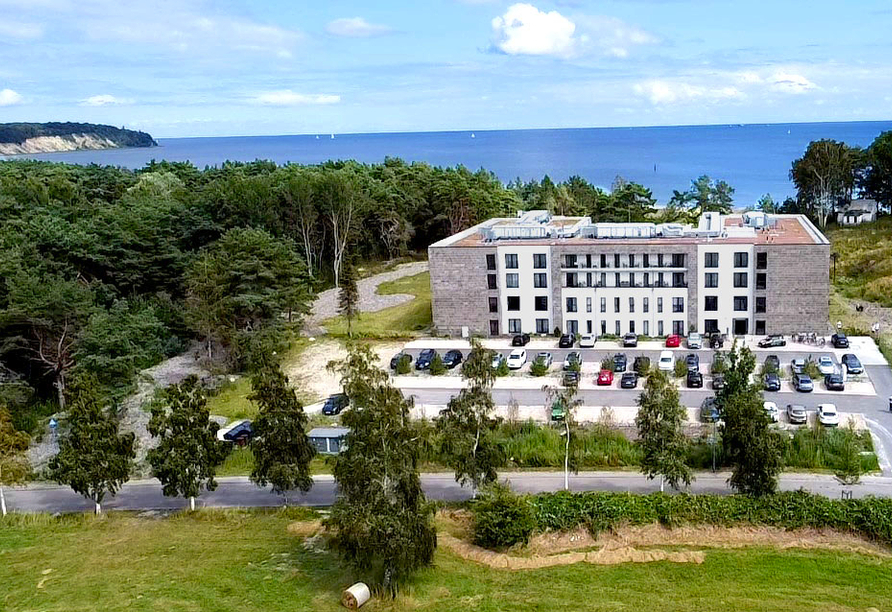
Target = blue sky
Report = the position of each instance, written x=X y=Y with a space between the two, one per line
x=201 y=68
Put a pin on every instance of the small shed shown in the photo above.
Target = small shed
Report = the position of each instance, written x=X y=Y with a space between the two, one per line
x=859 y=211
x=328 y=440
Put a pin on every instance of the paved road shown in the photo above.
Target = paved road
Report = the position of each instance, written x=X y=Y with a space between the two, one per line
x=240 y=492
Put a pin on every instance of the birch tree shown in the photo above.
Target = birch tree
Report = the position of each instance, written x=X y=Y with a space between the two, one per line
x=661 y=436
x=341 y=201
x=14 y=466
x=564 y=398
x=298 y=192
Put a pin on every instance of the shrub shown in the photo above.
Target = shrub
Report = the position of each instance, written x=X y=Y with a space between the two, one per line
x=502 y=370
x=681 y=368
x=538 y=367
x=719 y=364
x=502 y=518
x=607 y=363
x=404 y=364
x=557 y=332
x=437 y=367
x=811 y=368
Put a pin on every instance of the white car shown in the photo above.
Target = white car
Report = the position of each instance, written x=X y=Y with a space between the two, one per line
x=695 y=340
x=666 y=363
x=516 y=359
x=573 y=357
x=825 y=365
x=827 y=415
x=587 y=340
x=771 y=410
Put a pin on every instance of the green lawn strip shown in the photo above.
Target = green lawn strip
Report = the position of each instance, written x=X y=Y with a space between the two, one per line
x=246 y=560
x=404 y=320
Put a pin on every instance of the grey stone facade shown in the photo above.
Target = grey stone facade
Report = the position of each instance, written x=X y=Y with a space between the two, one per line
x=797 y=289
x=459 y=290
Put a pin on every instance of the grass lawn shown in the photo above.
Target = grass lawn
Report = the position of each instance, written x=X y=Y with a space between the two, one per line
x=404 y=320
x=246 y=560
x=864 y=264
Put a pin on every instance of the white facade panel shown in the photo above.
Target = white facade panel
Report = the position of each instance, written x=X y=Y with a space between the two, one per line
x=525 y=290
x=725 y=314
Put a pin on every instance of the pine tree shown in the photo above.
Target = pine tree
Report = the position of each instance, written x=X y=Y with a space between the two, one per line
x=14 y=466
x=188 y=452
x=282 y=451
x=348 y=295
x=382 y=522
x=94 y=458
x=660 y=435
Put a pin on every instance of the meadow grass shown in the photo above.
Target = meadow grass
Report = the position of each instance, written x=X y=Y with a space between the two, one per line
x=404 y=320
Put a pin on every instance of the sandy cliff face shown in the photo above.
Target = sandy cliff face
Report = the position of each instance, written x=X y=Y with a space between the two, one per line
x=54 y=144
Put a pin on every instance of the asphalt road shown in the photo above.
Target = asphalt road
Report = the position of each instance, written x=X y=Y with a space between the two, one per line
x=240 y=492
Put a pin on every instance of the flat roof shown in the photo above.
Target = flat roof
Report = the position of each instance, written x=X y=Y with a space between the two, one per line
x=328 y=432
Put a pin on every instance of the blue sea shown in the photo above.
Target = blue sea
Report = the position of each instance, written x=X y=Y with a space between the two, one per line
x=754 y=159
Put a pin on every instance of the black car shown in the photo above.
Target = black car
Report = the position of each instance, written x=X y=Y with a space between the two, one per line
x=771 y=341
x=571 y=378
x=853 y=366
x=425 y=358
x=695 y=379
x=693 y=362
x=641 y=365
x=628 y=381
x=835 y=382
x=718 y=382
x=520 y=340
x=620 y=362
x=839 y=340
x=771 y=382
x=335 y=403
x=395 y=360
x=772 y=362
x=716 y=341
x=709 y=411
x=452 y=359
x=567 y=341
x=630 y=340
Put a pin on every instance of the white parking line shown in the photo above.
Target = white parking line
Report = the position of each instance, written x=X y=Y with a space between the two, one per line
x=878 y=446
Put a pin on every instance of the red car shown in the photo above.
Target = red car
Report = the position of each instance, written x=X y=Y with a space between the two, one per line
x=605 y=377
x=673 y=341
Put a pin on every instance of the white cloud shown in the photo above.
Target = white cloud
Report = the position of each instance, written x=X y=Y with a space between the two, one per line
x=525 y=30
x=356 y=27
x=662 y=92
x=105 y=100
x=613 y=36
x=9 y=97
x=14 y=29
x=286 y=97
x=785 y=82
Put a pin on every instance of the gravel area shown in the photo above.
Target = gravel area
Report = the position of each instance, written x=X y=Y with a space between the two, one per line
x=326 y=304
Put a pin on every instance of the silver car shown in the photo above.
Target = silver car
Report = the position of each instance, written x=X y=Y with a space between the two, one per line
x=695 y=340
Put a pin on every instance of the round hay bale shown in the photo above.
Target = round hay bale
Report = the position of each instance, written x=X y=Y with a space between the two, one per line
x=355 y=596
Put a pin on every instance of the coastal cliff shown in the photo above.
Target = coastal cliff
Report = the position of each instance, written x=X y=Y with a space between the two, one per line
x=19 y=138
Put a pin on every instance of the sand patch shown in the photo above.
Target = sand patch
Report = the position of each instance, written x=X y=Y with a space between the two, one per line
x=304 y=529
x=309 y=371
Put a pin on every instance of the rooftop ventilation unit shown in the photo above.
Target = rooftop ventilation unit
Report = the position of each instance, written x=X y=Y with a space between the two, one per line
x=622 y=230
x=670 y=230
x=756 y=219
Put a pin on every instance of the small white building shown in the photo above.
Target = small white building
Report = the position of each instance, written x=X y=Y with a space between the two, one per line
x=857 y=212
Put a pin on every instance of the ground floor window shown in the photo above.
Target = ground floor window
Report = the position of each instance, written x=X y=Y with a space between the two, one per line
x=588 y=327
x=711 y=326
x=617 y=330
x=631 y=327
x=760 y=328
x=573 y=327
x=494 y=327
x=541 y=326
x=678 y=327
x=660 y=328
x=603 y=327
x=513 y=326
x=646 y=327
x=741 y=327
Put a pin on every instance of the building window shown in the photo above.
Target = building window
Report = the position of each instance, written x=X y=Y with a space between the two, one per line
x=659 y=260
x=646 y=330
x=711 y=280
x=631 y=260
x=512 y=280
x=760 y=328
x=761 y=263
x=647 y=279
x=616 y=282
x=711 y=303
x=588 y=279
x=541 y=326
x=571 y=304
x=513 y=302
x=660 y=306
x=616 y=304
x=490 y=262
x=660 y=280
x=588 y=260
x=513 y=326
x=511 y=261
x=603 y=327
x=760 y=305
x=761 y=280
x=678 y=260
x=569 y=261
x=494 y=304
x=616 y=329
x=540 y=280
x=603 y=260
x=678 y=327
x=678 y=304
x=645 y=307
x=603 y=304
x=659 y=328
x=571 y=279
x=616 y=260
x=541 y=302
x=588 y=326
x=491 y=281
x=588 y=304
x=631 y=304
x=631 y=327
x=711 y=325
x=711 y=260
x=573 y=327
x=741 y=260
x=493 y=327
x=540 y=260
x=740 y=279
x=678 y=279
x=740 y=303
x=646 y=263
x=603 y=282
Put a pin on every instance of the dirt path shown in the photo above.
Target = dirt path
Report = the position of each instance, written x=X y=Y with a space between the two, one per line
x=326 y=304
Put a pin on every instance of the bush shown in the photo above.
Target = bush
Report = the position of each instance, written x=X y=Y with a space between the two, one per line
x=812 y=369
x=502 y=370
x=437 y=367
x=557 y=332
x=681 y=368
x=502 y=518
x=404 y=364
x=607 y=363
x=719 y=364
x=538 y=367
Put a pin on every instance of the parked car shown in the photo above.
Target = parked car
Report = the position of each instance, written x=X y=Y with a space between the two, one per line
x=673 y=341
x=641 y=365
x=587 y=340
x=497 y=360
x=516 y=359
x=839 y=340
x=629 y=380
x=716 y=341
x=826 y=365
x=545 y=357
x=695 y=341
x=852 y=364
x=394 y=361
x=558 y=411
x=695 y=380
x=666 y=363
x=573 y=357
x=718 y=382
x=693 y=363
x=709 y=410
x=835 y=382
x=802 y=382
x=772 y=362
x=335 y=403
x=605 y=377
x=520 y=340
x=771 y=382
x=630 y=340
x=571 y=378
x=452 y=358
x=771 y=410
x=827 y=415
x=796 y=414
x=772 y=341
x=567 y=341
x=797 y=366
x=425 y=358
x=620 y=362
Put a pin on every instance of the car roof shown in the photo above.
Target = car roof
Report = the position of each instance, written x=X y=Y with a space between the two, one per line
x=665 y=354
x=518 y=351
x=827 y=407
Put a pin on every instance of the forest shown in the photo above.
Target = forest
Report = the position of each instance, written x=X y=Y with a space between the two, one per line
x=20 y=132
